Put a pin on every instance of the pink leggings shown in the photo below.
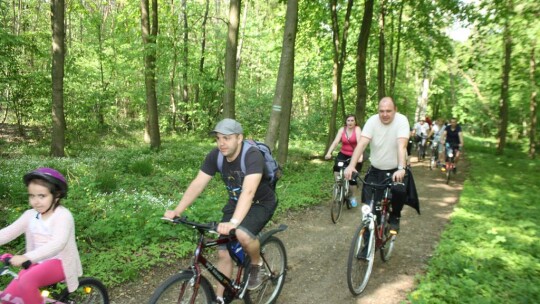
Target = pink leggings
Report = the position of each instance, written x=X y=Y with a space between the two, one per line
x=25 y=289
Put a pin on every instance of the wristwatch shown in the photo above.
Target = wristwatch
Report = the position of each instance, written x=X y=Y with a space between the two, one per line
x=400 y=167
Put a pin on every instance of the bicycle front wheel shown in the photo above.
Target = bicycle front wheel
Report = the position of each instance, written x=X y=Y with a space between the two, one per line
x=361 y=257
x=275 y=268
x=90 y=291
x=180 y=288
x=337 y=202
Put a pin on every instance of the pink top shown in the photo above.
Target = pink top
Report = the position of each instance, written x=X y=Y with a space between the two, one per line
x=348 y=143
x=62 y=244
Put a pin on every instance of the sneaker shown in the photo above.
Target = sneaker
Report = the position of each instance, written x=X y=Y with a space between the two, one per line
x=393 y=223
x=219 y=301
x=255 y=277
x=354 y=203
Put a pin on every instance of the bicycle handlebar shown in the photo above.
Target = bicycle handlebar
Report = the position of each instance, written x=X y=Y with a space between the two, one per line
x=6 y=257
x=209 y=227
x=387 y=182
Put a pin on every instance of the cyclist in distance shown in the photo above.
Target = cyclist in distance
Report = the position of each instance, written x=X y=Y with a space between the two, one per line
x=51 y=250
x=420 y=132
x=251 y=202
x=437 y=131
x=453 y=137
x=387 y=133
x=349 y=135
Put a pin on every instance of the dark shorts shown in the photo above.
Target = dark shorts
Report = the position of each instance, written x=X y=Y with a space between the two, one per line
x=257 y=217
x=343 y=157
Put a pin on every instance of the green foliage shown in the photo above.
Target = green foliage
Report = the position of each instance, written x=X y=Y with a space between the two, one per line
x=118 y=195
x=490 y=252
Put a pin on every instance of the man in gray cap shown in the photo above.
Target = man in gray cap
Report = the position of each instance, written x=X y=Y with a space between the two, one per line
x=251 y=203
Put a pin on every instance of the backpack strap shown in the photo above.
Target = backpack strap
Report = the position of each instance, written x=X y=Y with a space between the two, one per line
x=246 y=144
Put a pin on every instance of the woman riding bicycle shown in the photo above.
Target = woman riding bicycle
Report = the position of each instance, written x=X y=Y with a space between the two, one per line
x=349 y=135
x=49 y=230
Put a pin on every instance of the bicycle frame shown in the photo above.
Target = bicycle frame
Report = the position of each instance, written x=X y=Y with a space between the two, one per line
x=194 y=284
x=378 y=211
x=231 y=286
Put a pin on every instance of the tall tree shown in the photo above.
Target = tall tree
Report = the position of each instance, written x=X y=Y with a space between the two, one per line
x=505 y=79
x=381 y=88
x=394 y=63
x=230 y=60
x=280 y=116
x=203 y=51
x=361 y=62
x=149 y=33
x=58 y=50
x=339 y=55
x=185 y=60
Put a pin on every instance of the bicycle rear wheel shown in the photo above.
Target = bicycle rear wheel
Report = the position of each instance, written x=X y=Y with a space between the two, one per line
x=361 y=257
x=179 y=288
x=275 y=268
x=90 y=291
x=337 y=201
x=387 y=240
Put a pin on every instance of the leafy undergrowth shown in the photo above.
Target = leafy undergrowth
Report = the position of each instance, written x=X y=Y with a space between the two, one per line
x=490 y=252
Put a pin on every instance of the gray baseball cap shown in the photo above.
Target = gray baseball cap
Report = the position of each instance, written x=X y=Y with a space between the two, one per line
x=228 y=126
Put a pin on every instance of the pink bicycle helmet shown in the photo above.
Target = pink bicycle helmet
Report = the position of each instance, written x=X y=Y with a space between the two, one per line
x=50 y=175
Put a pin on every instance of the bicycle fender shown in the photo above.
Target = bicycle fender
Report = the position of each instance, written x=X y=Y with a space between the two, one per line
x=268 y=234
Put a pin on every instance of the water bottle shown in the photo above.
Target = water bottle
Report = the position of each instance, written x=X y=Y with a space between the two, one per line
x=237 y=250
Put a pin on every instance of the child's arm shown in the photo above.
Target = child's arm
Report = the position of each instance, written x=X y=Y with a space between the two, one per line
x=16 y=229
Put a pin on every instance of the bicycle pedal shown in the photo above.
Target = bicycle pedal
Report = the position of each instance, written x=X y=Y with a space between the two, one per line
x=393 y=232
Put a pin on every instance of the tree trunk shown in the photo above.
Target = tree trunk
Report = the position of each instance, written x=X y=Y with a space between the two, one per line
x=185 y=59
x=503 y=102
x=230 y=60
x=421 y=104
x=361 y=58
x=380 y=70
x=280 y=120
x=58 y=51
x=239 y=51
x=340 y=54
x=149 y=33
x=534 y=93
x=395 y=61
x=203 y=51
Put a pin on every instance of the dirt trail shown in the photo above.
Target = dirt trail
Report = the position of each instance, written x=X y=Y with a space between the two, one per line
x=317 y=249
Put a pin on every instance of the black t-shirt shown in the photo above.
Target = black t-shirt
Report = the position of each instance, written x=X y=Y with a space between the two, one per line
x=452 y=136
x=233 y=176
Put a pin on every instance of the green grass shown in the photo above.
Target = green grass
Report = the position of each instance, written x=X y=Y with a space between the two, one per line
x=490 y=252
x=118 y=194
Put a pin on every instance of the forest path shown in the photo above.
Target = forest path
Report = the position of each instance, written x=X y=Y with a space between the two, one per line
x=317 y=249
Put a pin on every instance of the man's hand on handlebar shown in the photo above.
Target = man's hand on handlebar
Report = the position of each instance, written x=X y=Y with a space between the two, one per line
x=225 y=228
x=170 y=214
x=398 y=175
x=349 y=171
